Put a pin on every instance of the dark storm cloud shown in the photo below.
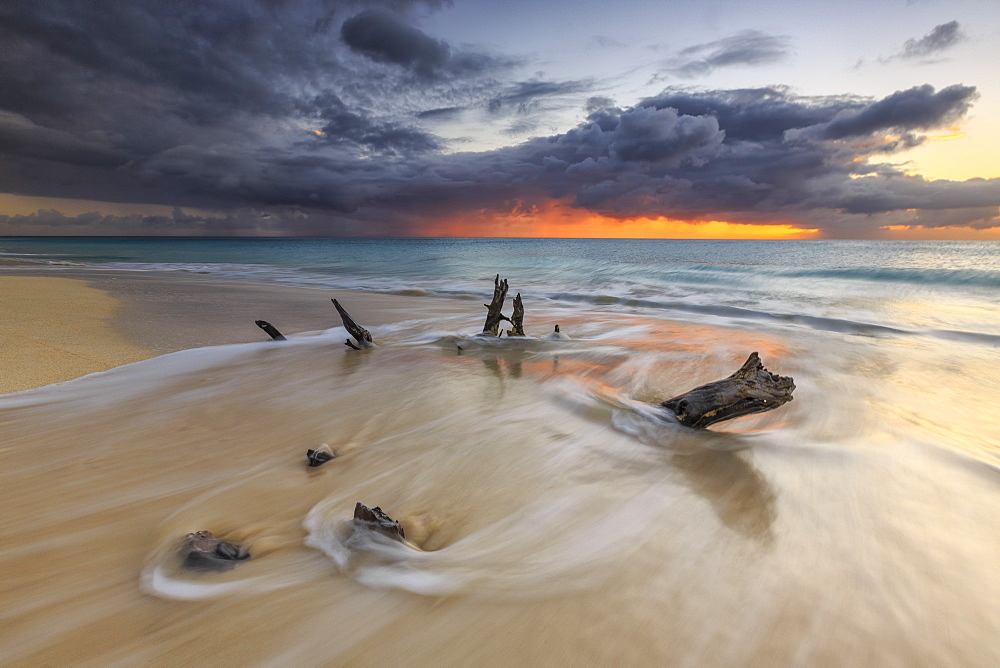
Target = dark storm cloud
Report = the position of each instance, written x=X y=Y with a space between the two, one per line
x=95 y=99
x=942 y=37
x=386 y=37
x=814 y=161
x=261 y=109
x=918 y=108
x=749 y=47
x=343 y=124
x=754 y=114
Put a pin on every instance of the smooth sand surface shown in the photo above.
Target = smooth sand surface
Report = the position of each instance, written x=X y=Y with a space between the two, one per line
x=55 y=329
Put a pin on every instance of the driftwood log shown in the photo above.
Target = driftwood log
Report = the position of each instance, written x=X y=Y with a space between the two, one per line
x=270 y=330
x=376 y=520
x=360 y=334
x=204 y=552
x=752 y=389
x=493 y=314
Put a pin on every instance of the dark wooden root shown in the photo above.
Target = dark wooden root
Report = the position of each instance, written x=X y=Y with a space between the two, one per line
x=517 y=318
x=360 y=334
x=493 y=314
x=752 y=389
x=270 y=330
x=376 y=520
x=204 y=552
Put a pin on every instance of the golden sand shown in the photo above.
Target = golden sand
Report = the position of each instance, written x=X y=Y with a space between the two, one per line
x=56 y=329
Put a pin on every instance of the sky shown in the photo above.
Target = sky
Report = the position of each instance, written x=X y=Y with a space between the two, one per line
x=667 y=119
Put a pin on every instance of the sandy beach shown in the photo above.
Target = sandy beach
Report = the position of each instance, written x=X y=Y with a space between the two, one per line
x=62 y=325
x=552 y=518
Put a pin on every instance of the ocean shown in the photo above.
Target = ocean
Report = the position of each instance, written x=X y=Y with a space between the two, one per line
x=925 y=288
x=554 y=514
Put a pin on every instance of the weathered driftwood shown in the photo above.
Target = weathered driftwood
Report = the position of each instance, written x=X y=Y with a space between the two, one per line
x=752 y=389
x=376 y=520
x=517 y=318
x=204 y=552
x=270 y=330
x=360 y=334
x=493 y=314
x=320 y=455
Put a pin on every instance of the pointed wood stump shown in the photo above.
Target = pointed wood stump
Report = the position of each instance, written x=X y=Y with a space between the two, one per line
x=517 y=318
x=360 y=334
x=493 y=314
x=752 y=389
x=270 y=330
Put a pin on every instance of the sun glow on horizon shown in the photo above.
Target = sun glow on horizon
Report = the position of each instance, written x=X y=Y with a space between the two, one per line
x=558 y=220
x=944 y=233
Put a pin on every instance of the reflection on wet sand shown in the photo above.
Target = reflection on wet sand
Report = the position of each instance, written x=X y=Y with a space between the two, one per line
x=739 y=494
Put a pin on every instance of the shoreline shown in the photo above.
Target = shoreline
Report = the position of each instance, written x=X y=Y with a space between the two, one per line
x=61 y=325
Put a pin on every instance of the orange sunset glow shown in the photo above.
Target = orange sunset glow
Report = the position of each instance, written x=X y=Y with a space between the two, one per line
x=559 y=220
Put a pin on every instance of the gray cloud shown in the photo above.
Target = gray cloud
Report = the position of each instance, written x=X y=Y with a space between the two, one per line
x=524 y=97
x=749 y=47
x=942 y=37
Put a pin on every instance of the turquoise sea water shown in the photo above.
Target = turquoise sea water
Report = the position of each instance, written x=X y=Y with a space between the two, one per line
x=924 y=288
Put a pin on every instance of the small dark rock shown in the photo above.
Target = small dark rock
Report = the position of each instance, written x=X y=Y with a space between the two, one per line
x=376 y=520
x=204 y=552
x=320 y=455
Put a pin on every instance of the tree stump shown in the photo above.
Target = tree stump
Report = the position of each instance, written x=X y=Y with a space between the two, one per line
x=752 y=389
x=517 y=318
x=493 y=314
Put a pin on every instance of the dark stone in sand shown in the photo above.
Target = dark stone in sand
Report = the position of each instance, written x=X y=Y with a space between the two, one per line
x=376 y=520
x=204 y=552
x=319 y=456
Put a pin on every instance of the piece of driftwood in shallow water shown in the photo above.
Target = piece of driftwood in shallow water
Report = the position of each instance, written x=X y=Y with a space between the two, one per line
x=517 y=318
x=493 y=314
x=752 y=389
x=320 y=455
x=360 y=334
x=204 y=552
x=270 y=330
x=376 y=520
